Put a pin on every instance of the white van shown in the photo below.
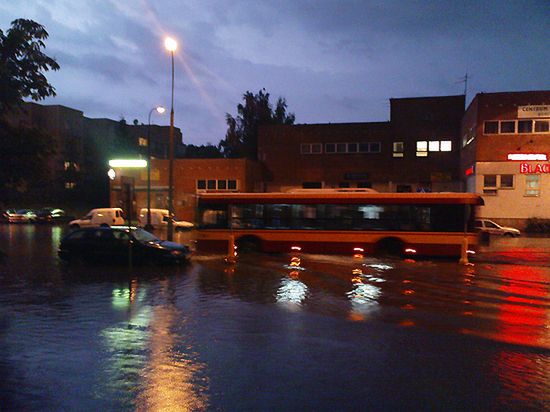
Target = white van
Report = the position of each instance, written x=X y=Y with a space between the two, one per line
x=160 y=218
x=110 y=216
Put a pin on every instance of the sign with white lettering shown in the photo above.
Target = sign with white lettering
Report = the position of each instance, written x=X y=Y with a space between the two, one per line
x=534 y=168
x=534 y=111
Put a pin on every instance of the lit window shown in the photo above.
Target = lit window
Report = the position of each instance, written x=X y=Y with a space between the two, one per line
x=398 y=149
x=142 y=141
x=532 y=185
x=433 y=146
x=70 y=185
x=446 y=145
x=422 y=148
x=490 y=127
x=508 y=127
x=506 y=181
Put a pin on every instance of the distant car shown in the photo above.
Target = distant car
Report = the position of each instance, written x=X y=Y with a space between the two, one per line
x=104 y=217
x=160 y=219
x=112 y=244
x=22 y=216
x=6 y=214
x=488 y=226
x=50 y=215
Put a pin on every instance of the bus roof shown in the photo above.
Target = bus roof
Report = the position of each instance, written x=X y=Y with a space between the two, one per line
x=318 y=197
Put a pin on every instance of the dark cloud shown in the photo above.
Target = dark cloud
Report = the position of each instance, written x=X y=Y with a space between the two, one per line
x=332 y=60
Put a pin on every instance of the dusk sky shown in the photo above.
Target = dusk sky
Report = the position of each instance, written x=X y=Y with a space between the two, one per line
x=333 y=61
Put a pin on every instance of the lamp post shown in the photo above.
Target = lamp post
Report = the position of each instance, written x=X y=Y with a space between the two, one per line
x=159 y=110
x=171 y=45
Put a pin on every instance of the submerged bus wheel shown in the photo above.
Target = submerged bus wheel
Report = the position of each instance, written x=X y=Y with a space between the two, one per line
x=246 y=244
x=389 y=246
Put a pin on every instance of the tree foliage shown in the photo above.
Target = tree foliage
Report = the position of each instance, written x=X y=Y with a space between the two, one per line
x=241 y=138
x=22 y=64
x=24 y=152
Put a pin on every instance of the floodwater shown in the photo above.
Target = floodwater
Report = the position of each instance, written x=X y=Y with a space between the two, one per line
x=273 y=332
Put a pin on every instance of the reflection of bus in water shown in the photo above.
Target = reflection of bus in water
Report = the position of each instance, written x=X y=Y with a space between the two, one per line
x=422 y=224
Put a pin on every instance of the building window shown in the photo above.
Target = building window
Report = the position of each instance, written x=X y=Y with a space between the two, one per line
x=525 y=126
x=216 y=184
x=508 y=127
x=352 y=147
x=231 y=184
x=446 y=146
x=211 y=184
x=398 y=149
x=490 y=127
x=201 y=184
x=374 y=147
x=312 y=185
x=532 y=185
x=341 y=147
x=542 y=126
x=222 y=184
x=364 y=185
x=422 y=148
x=506 y=182
x=311 y=148
x=70 y=185
x=142 y=141
x=490 y=185
x=433 y=146
x=71 y=166
x=344 y=184
x=330 y=148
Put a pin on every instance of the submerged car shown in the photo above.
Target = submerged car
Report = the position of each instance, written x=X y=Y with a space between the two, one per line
x=50 y=215
x=22 y=216
x=492 y=228
x=113 y=244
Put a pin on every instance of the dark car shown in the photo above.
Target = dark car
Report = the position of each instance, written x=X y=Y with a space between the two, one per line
x=50 y=215
x=113 y=244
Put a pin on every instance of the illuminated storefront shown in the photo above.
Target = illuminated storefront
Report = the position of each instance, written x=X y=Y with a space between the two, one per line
x=506 y=147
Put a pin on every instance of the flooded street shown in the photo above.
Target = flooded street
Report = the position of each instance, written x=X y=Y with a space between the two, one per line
x=272 y=332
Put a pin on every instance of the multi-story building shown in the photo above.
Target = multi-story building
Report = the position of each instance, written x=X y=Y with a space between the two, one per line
x=505 y=154
x=83 y=147
x=417 y=150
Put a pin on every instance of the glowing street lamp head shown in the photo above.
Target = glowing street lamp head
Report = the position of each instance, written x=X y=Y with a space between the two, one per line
x=160 y=109
x=170 y=44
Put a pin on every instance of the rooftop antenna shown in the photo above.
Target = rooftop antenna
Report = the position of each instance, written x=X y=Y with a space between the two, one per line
x=465 y=81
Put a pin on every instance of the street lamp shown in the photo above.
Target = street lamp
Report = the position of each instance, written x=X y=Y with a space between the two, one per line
x=159 y=110
x=171 y=45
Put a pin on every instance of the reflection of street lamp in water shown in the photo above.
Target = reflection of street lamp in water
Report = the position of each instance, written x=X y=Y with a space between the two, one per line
x=159 y=110
x=171 y=45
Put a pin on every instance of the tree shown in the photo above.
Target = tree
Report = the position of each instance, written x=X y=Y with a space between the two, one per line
x=241 y=138
x=22 y=64
x=24 y=152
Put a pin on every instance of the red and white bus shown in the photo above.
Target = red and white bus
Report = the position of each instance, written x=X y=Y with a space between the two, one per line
x=421 y=224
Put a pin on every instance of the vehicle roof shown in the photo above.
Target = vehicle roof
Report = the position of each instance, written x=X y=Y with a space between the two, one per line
x=319 y=197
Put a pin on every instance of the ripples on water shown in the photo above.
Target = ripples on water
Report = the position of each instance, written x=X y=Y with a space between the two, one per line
x=290 y=329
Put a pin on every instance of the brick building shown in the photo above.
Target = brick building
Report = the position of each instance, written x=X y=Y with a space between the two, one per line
x=417 y=150
x=506 y=145
x=191 y=176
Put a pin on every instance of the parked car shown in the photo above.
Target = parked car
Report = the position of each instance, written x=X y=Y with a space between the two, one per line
x=4 y=216
x=22 y=216
x=160 y=219
x=112 y=244
x=488 y=226
x=109 y=216
x=50 y=215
